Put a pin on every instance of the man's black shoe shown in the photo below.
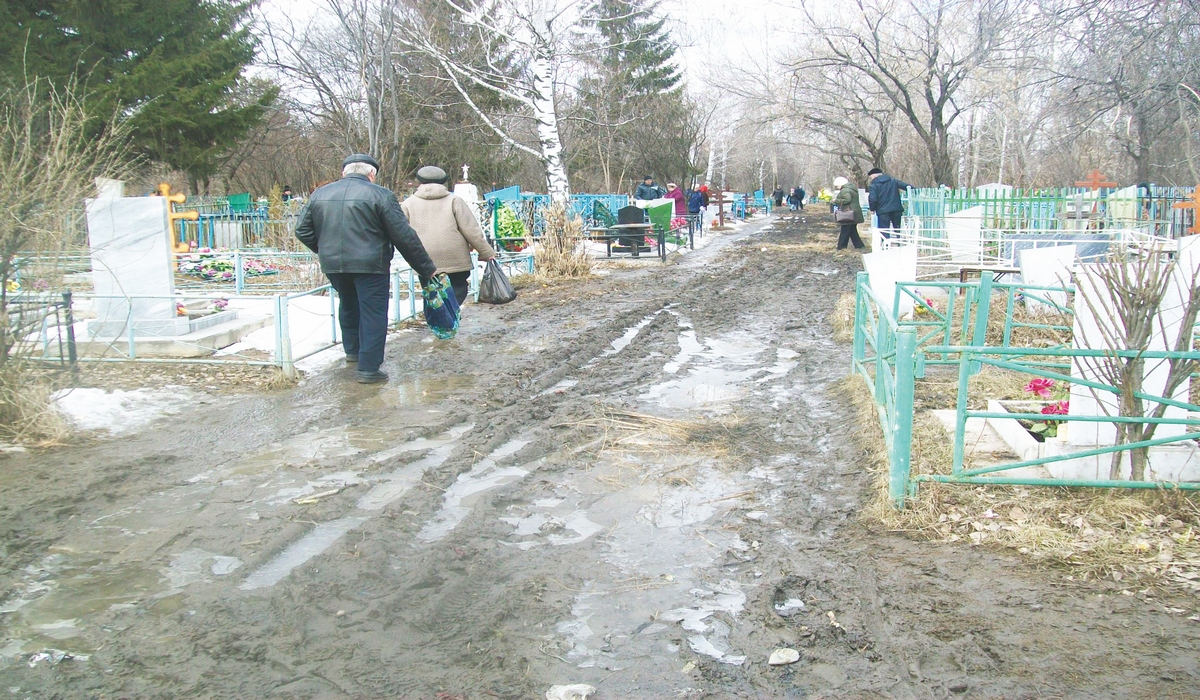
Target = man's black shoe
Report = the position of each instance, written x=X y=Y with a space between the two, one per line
x=352 y=359
x=371 y=377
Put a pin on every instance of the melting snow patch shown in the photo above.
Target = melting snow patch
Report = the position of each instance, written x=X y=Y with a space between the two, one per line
x=118 y=411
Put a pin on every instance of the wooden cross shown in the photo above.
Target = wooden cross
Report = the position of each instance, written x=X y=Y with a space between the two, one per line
x=1095 y=181
x=1192 y=203
x=164 y=189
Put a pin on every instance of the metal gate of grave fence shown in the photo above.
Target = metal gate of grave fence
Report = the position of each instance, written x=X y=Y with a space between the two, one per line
x=892 y=356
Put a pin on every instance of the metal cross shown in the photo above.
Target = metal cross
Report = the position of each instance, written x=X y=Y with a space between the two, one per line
x=1192 y=203
x=1095 y=181
x=164 y=189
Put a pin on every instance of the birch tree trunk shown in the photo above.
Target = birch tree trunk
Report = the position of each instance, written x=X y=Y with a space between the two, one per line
x=546 y=116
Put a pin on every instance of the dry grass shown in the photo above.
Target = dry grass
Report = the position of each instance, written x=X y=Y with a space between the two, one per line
x=1133 y=538
x=27 y=415
x=561 y=252
x=636 y=447
x=842 y=318
x=643 y=432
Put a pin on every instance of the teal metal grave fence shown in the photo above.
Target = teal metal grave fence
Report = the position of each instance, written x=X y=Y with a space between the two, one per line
x=892 y=356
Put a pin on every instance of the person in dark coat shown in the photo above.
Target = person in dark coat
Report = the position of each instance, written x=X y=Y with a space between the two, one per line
x=800 y=194
x=647 y=190
x=883 y=198
x=778 y=196
x=354 y=225
x=847 y=198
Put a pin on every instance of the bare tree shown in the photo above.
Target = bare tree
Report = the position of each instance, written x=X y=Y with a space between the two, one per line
x=921 y=56
x=1124 y=64
x=1128 y=297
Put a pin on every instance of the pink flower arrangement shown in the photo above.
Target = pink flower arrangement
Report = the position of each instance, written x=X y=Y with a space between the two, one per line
x=1041 y=386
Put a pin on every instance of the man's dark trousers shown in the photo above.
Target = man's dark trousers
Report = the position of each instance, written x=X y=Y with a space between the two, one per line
x=363 y=316
x=889 y=222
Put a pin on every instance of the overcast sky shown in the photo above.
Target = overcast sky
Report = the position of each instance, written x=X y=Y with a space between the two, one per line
x=713 y=34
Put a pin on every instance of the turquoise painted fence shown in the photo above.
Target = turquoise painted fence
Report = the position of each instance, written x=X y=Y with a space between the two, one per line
x=1046 y=210
x=893 y=355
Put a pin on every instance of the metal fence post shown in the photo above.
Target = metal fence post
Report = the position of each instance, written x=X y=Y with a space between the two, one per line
x=983 y=307
x=283 y=338
x=860 y=335
x=130 y=332
x=900 y=458
x=239 y=274
x=412 y=295
x=394 y=281
x=333 y=315
x=72 y=353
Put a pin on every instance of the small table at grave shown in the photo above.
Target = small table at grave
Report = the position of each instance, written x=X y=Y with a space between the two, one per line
x=965 y=273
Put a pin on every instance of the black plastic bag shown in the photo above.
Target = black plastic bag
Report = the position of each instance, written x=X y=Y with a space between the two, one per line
x=495 y=288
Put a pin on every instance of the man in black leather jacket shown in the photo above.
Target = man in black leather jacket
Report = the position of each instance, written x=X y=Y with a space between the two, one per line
x=353 y=225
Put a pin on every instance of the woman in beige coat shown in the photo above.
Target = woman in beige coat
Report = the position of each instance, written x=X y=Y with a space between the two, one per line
x=447 y=228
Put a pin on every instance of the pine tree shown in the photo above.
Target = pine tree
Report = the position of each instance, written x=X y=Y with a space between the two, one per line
x=172 y=68
x=636 y=49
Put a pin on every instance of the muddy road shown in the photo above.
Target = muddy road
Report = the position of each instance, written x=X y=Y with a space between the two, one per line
x=646 y=482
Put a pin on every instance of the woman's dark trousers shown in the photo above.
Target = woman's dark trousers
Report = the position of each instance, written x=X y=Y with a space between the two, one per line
x=459 y=281
x=849 y=234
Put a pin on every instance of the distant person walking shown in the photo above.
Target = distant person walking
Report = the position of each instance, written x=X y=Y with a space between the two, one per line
x=676 y=194
x=353 y=225
x=447 y=228
x=778 y=196
x=883 y=198
x=800 y=195
x=696 y=208
x=847 y=200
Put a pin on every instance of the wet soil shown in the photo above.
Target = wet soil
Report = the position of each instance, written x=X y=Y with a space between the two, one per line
x=647 y=482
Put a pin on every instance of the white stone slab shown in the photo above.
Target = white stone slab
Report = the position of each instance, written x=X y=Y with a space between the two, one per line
x=107 y=188
x=995 y=188
x=1047 y=267
x=1122 y=204
x=963 y=235
x=131 y=257
x=227 y=234
x=886 y=268
x=1090 y=329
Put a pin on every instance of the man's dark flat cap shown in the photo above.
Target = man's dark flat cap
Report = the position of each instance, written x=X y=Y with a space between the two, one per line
x=431 y=173
x=360 y=158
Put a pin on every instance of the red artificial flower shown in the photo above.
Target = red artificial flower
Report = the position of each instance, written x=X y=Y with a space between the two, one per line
x=1040 y=386
x=1058 y=408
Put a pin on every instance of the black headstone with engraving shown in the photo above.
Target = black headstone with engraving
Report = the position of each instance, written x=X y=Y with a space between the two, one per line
x=631 y=215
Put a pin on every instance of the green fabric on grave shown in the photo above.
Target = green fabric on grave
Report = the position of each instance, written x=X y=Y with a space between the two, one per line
x=661 y=215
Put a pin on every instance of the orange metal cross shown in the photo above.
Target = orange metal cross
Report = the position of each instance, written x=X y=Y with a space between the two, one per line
x=1192 y=203
x=1095 y=181
x=172 y=216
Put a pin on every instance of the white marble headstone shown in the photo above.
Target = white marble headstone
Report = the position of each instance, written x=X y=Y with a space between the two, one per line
x=963 y=235
x=886 y=268
x=1047 y=267
x=1122 y=205
x=131 y=256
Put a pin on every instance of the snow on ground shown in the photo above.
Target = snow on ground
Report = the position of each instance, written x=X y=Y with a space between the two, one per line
x=121 y=412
